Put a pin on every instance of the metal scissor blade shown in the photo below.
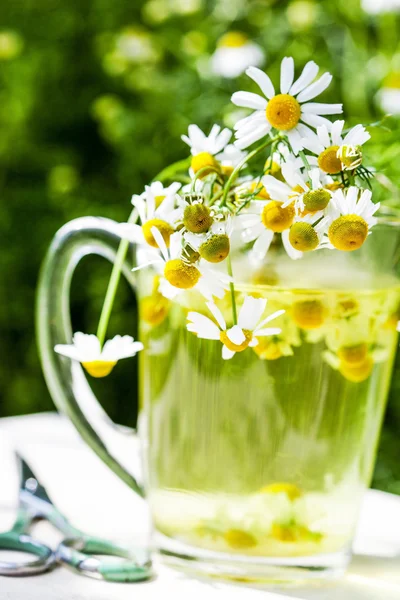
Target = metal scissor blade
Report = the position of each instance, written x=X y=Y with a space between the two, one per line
x=30 y=483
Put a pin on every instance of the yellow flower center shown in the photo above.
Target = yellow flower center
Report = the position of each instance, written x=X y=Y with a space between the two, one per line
x=223 y=336
x=181 y=274
x=315 y=200
x=283 y=112
x=303 y=237
x=267 y=349
x=353 y=355
x=197 y=218
x=216 y=248
x=237 y=538
x=358 y=372
x=99 y=368
x=233 y=39
x=348 y=232
x=154 y=309
x=202 y=161
x=335 y=185
x=290 y=489
x=308 y=314
x=163 y=227
x=277 y=218
x=260 y=191
x=227 y=170
x=329 y=162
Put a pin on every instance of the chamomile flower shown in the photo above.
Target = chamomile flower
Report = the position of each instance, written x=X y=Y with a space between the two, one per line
x=307 y=192
x=213 y=143
x=309 y=232
x=250 y=326
x=156 y=208
x=234 y=53
x=290 y=111
x=292 y=183
x=96 y=360
x=263 y=221
x=355 y=363
x=204 y=147
x=179 y=274
x=213 y=246
x=335 y=152
x=350 y=216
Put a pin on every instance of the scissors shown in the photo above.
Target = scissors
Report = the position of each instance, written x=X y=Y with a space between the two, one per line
x=76 y=551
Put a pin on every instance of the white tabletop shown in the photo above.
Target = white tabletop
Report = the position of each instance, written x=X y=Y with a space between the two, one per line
x=98 y=503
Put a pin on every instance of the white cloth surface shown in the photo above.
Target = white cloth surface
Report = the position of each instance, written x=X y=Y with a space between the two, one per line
x=96 y=501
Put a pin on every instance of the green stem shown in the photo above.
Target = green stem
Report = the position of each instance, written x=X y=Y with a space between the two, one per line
x=200 y=172
x=236 y=170
x=306 y=164
x=232 y=288
x=113 y=284
x=216 y=197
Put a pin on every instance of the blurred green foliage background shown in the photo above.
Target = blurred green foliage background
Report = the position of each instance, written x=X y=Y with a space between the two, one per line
x=94 y=95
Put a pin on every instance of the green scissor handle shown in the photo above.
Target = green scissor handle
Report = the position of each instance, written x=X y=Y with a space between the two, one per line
x=79 y=554
x=14 y=540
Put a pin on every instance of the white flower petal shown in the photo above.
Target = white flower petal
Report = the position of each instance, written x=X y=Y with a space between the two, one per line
x=336 y=133
x=262 y=80
x=295 y=140
x=318 y=108
x=251 y=138
x=131 y=232
x=253 y=117
x=323 y=136
x=315 y=120
x=315 y=88
x=357 y=136
x=226 y=353
x=270 y=317
x=217 y=314
x=175 y=245
x=222 y=140
x=278 y=190
x=204 y=327
x=251 y=312
x=269 y=331
x=249 y=100
x=263 y=243
x=168 y=290
x=140 y=204
x=309 y=73
x=160 y=242
x=313 y=145
x=251 y=126
x=236 y=335
x=287 y=74
x=68 y=350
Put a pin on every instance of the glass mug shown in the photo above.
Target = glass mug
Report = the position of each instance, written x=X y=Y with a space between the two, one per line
x=254 y=467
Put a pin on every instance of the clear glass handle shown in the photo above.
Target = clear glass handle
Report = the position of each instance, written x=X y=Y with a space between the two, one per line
x=65 y=378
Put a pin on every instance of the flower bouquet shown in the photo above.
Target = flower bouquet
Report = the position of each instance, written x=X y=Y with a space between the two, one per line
x=268 y=304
